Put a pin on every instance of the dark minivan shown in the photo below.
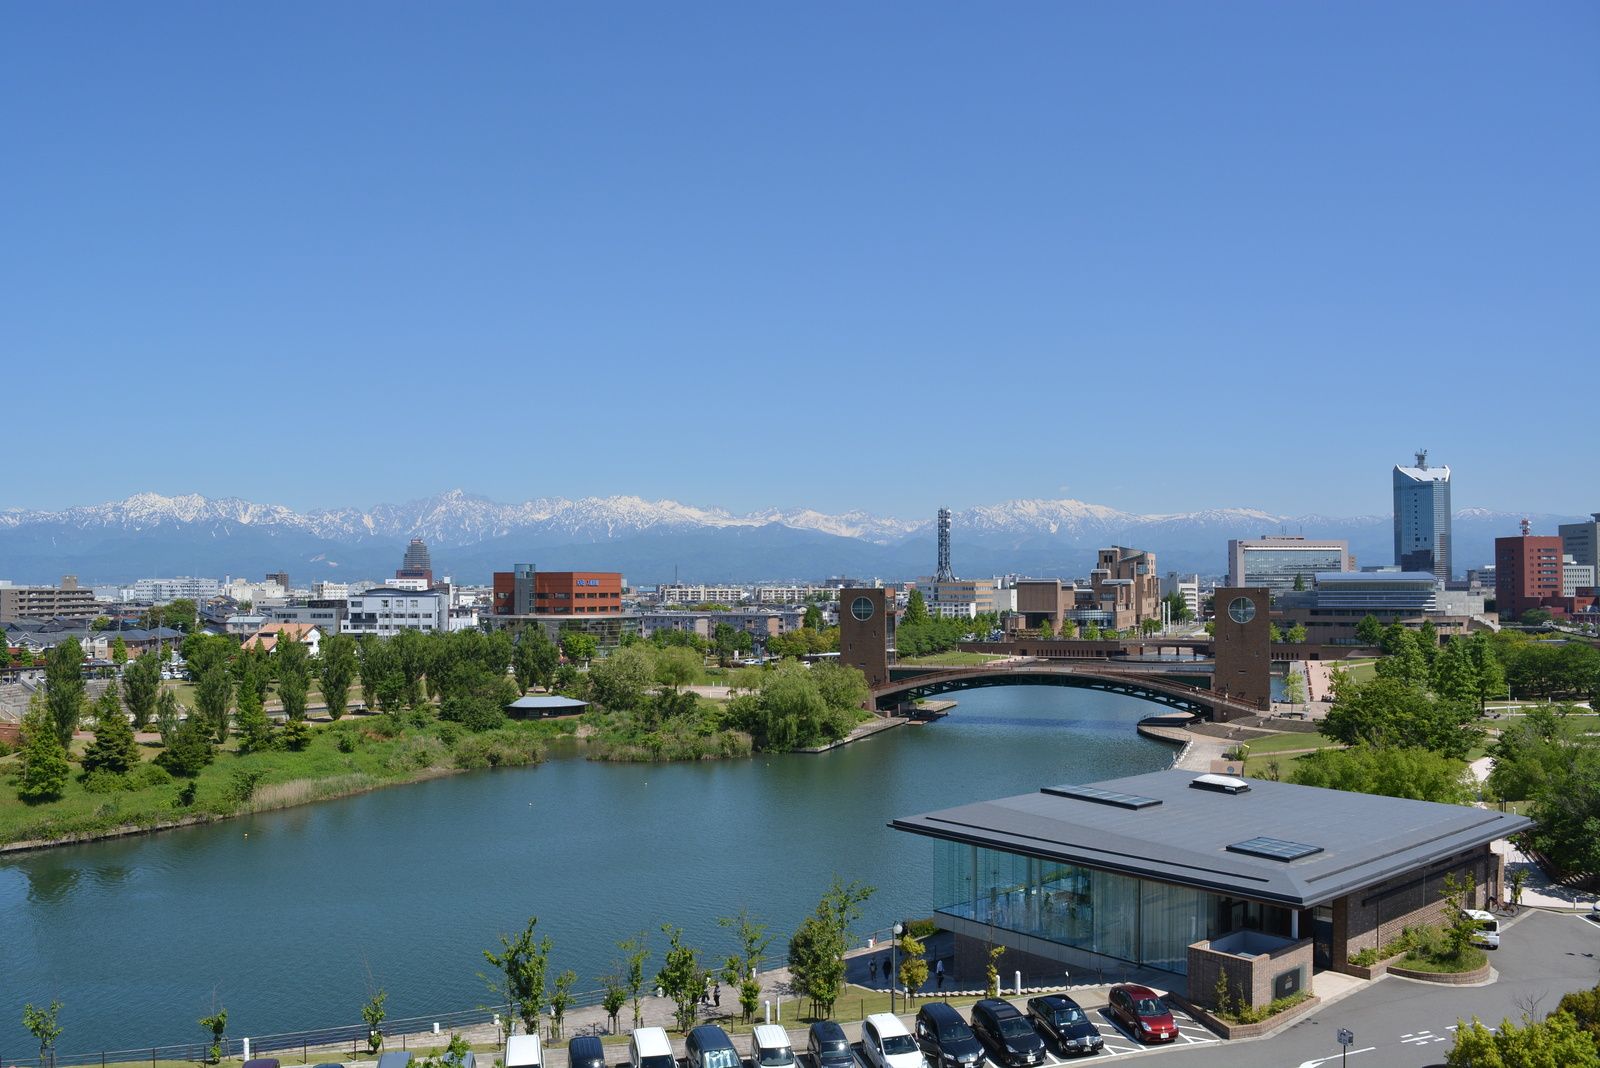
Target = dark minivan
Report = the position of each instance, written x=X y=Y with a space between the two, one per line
x=708 y=1046
x=945 y=1038
x=826 y=1046
x=1062 y=1019
x=585 y=1051
x=1007 y=1034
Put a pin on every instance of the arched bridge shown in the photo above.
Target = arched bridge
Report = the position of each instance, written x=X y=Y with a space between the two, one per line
x=1150 y=682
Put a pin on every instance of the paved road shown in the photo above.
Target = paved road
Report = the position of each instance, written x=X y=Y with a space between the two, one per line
x=1402 y=1024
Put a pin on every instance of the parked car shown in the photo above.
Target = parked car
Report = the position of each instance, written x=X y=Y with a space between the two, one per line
x=887 y=1044
x=522 y=1051
x=1063 y=1021
x=945 y=1038
x=328 y=1064
x=261 y=1062
x=1006 y=1034
x=586 y=1051
x=708 y=1046
x=827 y=1047
x=649 y=1047
x=770 y=1048
x=1142 y=1013
x=1487 y=934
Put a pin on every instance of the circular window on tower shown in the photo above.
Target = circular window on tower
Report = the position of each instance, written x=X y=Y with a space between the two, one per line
x=1241 y=610
x=862 y=608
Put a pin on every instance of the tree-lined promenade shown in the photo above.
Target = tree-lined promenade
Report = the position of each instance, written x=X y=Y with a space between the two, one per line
x=435 y=704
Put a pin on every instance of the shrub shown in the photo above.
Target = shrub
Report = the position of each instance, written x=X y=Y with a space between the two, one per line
x=498 y=749
x=242 y=783
x=186 y=794
x=147 y=775
x=296 y=735
x=415 y=754
x=347 y=741
x=388 y=725
x=102 y=781
x=1244 y=1014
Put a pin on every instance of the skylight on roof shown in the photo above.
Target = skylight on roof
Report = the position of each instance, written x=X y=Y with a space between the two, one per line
x=1103 y=797
x=1274 y=848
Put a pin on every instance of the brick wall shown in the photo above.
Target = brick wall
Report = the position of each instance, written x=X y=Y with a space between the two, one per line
x=1251 y=979
x=1371 y=917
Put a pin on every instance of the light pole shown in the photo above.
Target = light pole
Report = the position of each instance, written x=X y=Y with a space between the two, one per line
x=894 y=956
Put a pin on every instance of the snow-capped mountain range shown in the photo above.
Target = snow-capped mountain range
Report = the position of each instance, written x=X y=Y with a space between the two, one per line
x=470 y=536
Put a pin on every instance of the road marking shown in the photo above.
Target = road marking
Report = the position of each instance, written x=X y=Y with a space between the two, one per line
x=1421 y=1038
x=1336 y=1056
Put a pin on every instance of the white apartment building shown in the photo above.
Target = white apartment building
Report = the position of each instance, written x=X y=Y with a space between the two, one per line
x=683 y=593
x=257 y=593
x=793 y=594
x=330 y=591
x=1575 y=576
x=385 y=611
x=167 y=590
x=1185 y=586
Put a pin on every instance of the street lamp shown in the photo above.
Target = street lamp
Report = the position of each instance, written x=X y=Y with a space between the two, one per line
x=894 y=956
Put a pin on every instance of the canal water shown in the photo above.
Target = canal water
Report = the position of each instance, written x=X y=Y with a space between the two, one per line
x=289 y=918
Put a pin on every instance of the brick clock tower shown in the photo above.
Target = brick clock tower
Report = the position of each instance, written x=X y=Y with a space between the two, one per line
x=1243 y=646
x=866 y=632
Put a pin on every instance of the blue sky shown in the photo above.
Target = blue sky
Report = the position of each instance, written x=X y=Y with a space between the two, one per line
x=879 y=256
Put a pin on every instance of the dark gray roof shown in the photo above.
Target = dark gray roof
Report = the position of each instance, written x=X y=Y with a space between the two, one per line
x=1362 y=839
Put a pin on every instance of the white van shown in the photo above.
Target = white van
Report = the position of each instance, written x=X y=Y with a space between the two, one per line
x=1488 y=933
x=887 y=1043
x=524 y=1051
x=649 y=1047
x=770 y=1048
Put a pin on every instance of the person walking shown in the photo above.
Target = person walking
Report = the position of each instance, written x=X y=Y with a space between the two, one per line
x=938 y=973
x=716 y=995
x=872 y=971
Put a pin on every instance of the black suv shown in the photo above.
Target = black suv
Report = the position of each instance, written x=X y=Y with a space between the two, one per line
x=827 y=1047
x=1061 y=1019
x=1007 y=1034
x=945 y=1038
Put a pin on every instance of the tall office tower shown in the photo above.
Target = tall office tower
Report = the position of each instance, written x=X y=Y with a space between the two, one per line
x=417 y=563
x=944 y=574
x=1422 y=518
x=1581 y=541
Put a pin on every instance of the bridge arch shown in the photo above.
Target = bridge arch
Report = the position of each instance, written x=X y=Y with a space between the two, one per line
x=1119 y=680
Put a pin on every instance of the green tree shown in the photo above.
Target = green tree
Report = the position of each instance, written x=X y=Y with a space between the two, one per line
x=336 y=670
x=1299 y=583
x=991 y=970
x=217 y=1025
x=1369 y=630
x=411 y=649
x=1388 y=712
x=113 y=749
x=913 y=965
x=1089 y=632
x=561 y=1000
x=141 y=685
x=1393 y=772
x=813 y=618
x=1428 y=640
x=212 y=695
x=612 y=999
x=1566 y=828
x=119 y=651
x=618 y=683
x=255 y=730
x=1294 y=688
x=1177 y=608
x=1555 y=1042
x=681 y=978
x=372 y=1014
x=1405 y=661
x=1274 y=635
x=294 y=676
x=1584 y=1008
x=636 y=951
x=1489 y=676
x=1297 y=634
x=63 y=681
x=535 y=659
x=42 y=1025
x=180 y=615
x=191 y=748
x=817 y=948
x=520 y=981
x=916 y=613
x=167 y=717
x=44 y=759
x=739 y=969
x=578 y=646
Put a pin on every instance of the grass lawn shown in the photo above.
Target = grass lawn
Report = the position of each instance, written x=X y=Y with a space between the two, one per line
x=1471 y=960
x=1287 y=743
x=952 y=658
x=1357 y=670
x=283 y=778
x=1257 y=765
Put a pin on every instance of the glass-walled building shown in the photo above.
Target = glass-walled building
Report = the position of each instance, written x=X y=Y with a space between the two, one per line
x=1277 y=562
x=1142 y=869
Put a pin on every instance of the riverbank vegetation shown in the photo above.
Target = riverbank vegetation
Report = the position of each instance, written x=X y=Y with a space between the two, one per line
x=643 y=711
x=442 y=697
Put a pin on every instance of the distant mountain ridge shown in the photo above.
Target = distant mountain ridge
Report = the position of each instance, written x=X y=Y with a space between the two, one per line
x=650 y=541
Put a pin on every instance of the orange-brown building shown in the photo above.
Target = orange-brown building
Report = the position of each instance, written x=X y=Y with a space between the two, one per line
x=527 y=592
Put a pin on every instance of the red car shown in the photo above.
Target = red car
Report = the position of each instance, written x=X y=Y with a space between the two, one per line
x=1142 y=1013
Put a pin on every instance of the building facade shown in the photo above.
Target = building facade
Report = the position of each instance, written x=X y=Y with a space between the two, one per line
x=1126 y=586
x=689 y=594
x=1527 y=573
x=759 y=623
x=167 y=590
x=958 y=598
x=1187 y=587
x=1276 y=562
x=867 y=631
x=1581 y=541
x=65 y=601
x=417 y=563
x=794 y=594
x=1422 y=518
x=529 y=592
x=384 y=611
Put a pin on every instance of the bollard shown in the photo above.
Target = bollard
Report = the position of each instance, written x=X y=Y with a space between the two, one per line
x=767 y=1002
x=246 y=1053
x=436 y=1027
x=1019 y=981
x=780 y=1010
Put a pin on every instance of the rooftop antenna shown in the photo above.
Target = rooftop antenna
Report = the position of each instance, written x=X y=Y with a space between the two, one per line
x=1527 y=527
x=944 y=574
x=1422 y=459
